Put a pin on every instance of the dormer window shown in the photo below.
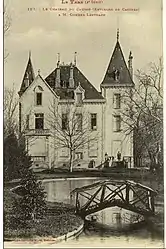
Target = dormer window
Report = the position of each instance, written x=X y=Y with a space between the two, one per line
x=79 y=94
x=79 y=98
x=116 y=75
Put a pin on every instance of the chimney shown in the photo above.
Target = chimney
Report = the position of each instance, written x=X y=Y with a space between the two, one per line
x=130 y=66
x=58 y=77
x=75 y=58
x=71 y=77
x=26 y=80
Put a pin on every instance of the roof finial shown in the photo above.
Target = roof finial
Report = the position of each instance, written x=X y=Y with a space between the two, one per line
x=29 y=54
x=118 y=34
x=130 y=55
x=38 y=71
x=75 y=58
x=58 y=55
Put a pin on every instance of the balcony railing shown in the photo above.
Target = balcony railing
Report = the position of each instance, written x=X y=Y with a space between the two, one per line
x=37 y=132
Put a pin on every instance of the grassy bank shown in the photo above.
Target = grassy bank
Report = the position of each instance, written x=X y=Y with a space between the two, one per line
x=59 y=220
x=110 y=172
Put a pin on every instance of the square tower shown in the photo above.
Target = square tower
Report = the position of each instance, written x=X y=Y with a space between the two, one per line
x=117 y=81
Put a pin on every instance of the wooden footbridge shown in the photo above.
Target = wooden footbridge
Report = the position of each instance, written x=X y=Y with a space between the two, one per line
x=109 y=193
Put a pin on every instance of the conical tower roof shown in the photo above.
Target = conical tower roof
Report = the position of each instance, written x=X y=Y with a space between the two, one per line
x=117 y=73
x=28 y=75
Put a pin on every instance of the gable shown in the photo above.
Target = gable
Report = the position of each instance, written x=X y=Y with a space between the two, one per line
x=79 y=89
x=38 y=84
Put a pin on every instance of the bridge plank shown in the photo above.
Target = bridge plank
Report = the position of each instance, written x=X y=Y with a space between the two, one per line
x=141 y=199
x=119 y=191
x=94 y=204
x=118 y=204
x=88 y=197
x=142 y=186
x=137 y=200
x=103 y=193
x=91 y=199
x=99 y=183
x=114 y=193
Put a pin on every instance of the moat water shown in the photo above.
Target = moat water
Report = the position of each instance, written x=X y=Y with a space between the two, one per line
x=112 y=226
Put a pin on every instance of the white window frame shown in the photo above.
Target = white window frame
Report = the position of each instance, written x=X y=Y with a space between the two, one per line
x=115 y=128
x=37 y=93
x=117 y=100
x=78 y=125
x=79 y=90
x=93 y=149
x=78 y=155
x=94 y=128
x=37 y=116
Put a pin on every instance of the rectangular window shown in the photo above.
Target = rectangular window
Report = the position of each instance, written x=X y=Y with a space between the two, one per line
x=117 y=123
x=27 y=122
x=117 y=101
x=78 y=155
x=38 y=98
x=93 y=149
x=79 y=98
x=64 y=152
x=64 y=121
x=39 y=121
x=94 y=121
x=38 y=158
x=79 y=122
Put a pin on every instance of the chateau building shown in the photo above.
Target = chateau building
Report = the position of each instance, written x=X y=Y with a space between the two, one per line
x=64 y=100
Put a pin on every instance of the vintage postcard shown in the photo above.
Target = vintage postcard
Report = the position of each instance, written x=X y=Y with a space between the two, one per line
x=83 y=124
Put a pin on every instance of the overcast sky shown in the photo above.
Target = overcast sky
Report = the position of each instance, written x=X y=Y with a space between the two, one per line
x=45 y=34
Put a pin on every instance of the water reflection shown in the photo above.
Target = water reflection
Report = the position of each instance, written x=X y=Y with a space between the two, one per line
x=112 y=221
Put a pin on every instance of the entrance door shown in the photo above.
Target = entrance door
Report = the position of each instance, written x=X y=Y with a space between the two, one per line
x=116 y=146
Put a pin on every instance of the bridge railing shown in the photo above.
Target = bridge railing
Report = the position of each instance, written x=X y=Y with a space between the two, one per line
x=125 y=194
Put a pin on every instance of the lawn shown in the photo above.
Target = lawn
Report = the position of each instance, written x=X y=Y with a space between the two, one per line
x=58 y=220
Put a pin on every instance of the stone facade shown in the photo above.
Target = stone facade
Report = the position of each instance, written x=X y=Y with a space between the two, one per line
x=66 y=85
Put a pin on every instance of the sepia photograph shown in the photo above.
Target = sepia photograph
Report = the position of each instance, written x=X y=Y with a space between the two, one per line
x=83 y=154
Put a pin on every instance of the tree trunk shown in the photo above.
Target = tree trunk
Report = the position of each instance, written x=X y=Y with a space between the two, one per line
x=152 y=161
x=71 y=161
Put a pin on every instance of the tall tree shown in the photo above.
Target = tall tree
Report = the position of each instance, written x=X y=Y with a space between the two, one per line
x=11 y=157
x=10 y=111
x=70 y=128
x=11 y=125
x=32 y=202
x=143 y=113
x=6 y=26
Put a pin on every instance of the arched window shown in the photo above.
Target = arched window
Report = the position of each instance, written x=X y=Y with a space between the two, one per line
x=38 y=95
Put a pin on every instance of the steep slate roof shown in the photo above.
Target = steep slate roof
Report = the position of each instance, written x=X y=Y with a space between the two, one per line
x=29 y=72
x=117 y=62
x=68 y=93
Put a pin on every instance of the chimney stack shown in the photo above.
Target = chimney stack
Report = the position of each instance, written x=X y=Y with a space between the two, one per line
x=58 y=77
x=71 y=78
x=130 y=66
x=75 y=58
